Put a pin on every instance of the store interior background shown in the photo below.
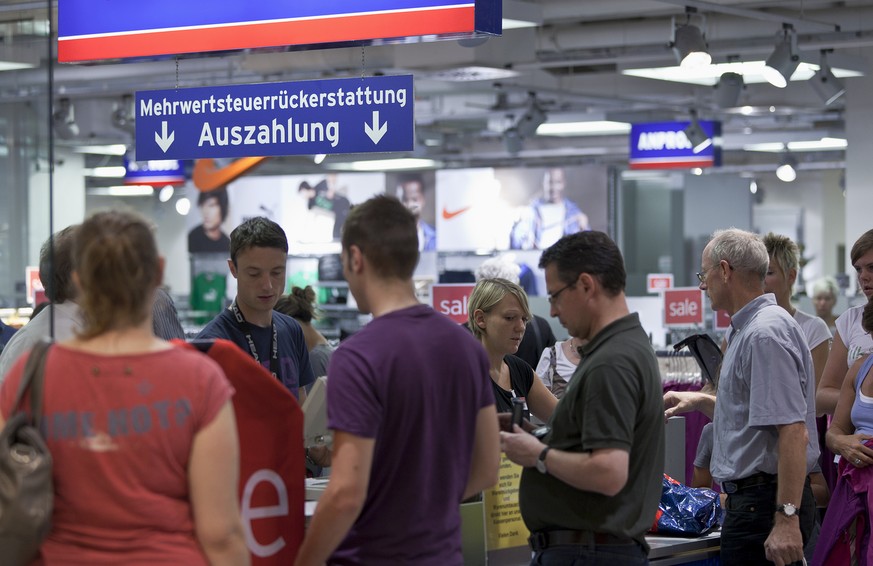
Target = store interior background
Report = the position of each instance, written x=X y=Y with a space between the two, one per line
x=567 y=63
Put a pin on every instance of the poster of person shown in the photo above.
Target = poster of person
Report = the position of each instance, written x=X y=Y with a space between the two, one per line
x=416 y=191
x=316 y=209
x=310 y=208
x=552 y=202
x=209 y=235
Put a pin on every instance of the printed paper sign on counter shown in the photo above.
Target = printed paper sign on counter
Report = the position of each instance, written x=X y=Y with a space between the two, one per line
x=504 y=527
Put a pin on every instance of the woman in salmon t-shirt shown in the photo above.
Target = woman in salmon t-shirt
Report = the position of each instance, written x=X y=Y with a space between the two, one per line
x=146 y=456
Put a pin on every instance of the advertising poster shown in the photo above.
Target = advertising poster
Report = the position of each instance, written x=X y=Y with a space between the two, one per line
x=548 y=203
x=208 y=224
x=310 y=208
x=518 y=208
x=416 y=190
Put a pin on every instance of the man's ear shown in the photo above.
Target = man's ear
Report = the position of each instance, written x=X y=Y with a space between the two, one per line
x=586 y=282
x=232 y=268
x=355 y=259
x=792 y=276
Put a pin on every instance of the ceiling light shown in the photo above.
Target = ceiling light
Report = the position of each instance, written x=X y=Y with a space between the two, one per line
x=470 y=73
x=166 y=193
x=319 y=158
x=751 y=71
x=787 y=171
x=590 y=128
x=389 y=164
x=15 y=56
x=690 y=47
x=183 y=206
x=122 y=191
x=784 y=60
x=111 y=149
x=825 y=84
x=823 y=144
x=64 y=120
x=728 y=89
x=106 y=172
x=695 y=134
x=517 y=14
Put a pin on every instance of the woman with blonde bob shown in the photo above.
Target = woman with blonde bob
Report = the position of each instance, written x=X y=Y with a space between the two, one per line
x=146 y=457
x=498 y=313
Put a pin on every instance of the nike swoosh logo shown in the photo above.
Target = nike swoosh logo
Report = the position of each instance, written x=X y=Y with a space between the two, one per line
x=207 y=176
x=449 y=215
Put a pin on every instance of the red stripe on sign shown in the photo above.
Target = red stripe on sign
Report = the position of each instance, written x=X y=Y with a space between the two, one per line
x=252 y=36
x=673 y=164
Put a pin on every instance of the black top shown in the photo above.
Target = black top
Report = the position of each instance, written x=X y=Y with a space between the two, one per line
x=521 y=377
x=199 y=242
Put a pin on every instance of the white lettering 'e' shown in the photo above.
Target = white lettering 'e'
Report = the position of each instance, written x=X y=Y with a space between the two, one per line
x=248 y=513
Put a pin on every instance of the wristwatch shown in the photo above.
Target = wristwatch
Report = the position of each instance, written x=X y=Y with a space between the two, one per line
x=541 y=461
x=787 y=509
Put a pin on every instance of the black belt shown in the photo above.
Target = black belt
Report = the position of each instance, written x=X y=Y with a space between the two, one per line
x=760 y=478
x=542 y=540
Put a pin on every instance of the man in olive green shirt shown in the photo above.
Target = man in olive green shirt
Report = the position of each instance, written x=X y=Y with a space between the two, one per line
x=590 y=491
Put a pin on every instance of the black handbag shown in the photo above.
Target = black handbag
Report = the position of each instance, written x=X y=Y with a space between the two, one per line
x=26 y=490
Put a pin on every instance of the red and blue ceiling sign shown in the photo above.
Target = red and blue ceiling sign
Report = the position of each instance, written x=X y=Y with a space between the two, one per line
x=91 y=30
x=664 y=145
x=157 y=173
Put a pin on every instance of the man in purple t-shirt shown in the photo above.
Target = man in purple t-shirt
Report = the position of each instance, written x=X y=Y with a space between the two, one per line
x=410 y=404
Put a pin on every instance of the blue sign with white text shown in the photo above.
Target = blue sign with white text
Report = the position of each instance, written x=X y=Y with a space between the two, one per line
x=355 y=115
x=666 y=145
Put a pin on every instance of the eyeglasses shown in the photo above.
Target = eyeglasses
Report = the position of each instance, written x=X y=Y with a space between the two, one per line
x=554 y=296
x=701 y=275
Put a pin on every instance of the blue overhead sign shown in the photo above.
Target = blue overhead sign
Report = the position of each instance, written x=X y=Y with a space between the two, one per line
x=94 y=30
x=359 y=115
x=665 y=145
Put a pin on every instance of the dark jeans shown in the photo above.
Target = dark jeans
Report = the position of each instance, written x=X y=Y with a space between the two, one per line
x=583 y=555
x=749 y=520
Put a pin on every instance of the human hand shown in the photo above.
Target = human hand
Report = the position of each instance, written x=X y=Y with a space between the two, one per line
x=678 y=402
x=505 y=420
x=521 y=447
x=852 y=447
x=785 y=543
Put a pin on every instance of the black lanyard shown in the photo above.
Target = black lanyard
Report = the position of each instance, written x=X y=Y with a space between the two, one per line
x=244 y=327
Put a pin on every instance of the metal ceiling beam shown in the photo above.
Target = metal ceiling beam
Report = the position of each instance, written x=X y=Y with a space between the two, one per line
x=751 y=14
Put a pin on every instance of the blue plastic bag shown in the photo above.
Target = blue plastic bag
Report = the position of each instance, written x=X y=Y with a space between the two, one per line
x=686 y=511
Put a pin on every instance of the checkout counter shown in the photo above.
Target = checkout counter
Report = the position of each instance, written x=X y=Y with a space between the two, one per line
x=482 y=546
